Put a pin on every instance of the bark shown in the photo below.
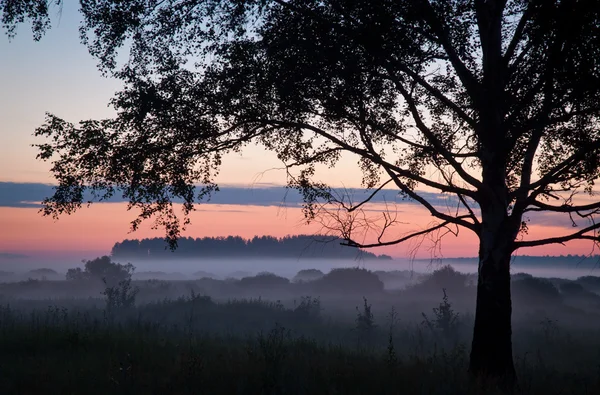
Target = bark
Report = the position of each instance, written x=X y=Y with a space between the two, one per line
x=491 y=351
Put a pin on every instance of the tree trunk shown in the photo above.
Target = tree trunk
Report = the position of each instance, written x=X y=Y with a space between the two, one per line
x=491 y=351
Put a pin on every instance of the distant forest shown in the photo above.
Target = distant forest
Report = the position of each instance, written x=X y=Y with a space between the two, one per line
x=301 y=246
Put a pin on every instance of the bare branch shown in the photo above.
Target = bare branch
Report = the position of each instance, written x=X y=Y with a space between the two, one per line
x=352 y=243
x=371 y=196
x=434 y=212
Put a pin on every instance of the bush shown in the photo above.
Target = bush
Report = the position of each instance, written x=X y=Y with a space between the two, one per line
x=308 y=307
x=350 y=280
x=444 y=278
x=308 y=275
x=571 y=288
x=535 y=291
x=264 y=279
x=120 y=296
x=520 y=276
x=445 y=319
x=591 y=283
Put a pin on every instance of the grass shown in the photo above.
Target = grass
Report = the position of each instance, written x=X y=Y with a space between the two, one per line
x=194 y=345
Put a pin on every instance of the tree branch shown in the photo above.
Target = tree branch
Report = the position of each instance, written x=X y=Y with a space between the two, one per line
x=366 y=154
x=580 y=235
x=352 y=243
x=469 y=81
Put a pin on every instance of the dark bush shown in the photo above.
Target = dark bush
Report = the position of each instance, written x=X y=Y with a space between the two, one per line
x=308 y=275
x=591 y=283
x=264 y=280
x=520 y=276
x=571 y=288
x=535 y=291
x=350 y=280
x=445 y=277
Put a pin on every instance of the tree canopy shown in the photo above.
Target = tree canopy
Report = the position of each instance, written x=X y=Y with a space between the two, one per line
x=35 y=12
x=405 y=86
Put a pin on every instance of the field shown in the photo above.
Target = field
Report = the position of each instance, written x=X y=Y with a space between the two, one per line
x=267 y=336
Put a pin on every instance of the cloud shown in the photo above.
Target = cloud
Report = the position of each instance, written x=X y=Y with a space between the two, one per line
x=29 y=195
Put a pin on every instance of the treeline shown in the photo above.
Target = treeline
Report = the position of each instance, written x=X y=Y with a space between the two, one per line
x=300 y=246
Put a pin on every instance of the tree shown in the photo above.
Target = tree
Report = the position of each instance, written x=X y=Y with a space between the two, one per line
x=36 y=12
x=101 y=269
x=494 y=102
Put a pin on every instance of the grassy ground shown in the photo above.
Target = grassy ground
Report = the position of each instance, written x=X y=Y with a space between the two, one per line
x=193 y=345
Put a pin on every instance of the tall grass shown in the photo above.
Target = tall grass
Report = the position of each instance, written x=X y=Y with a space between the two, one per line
x=193 y=345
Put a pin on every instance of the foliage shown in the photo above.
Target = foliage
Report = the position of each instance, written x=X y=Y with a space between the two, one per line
x=592 y=283
x=312 y=80
x=349 y=279
x=264 y=279
x=36 y=12
x=120 y=296
x=291 y=246
x=493 y=102
x=535 y=291
x=571 y=288
x=309 y=307
x=445 y=277
x=445 y=320
x=102 y=268
x=365 y=322
x=308 y=275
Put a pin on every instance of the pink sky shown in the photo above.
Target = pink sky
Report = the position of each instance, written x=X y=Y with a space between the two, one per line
x=96 y=229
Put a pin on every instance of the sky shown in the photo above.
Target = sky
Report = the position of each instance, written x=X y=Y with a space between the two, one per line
x=57 y=75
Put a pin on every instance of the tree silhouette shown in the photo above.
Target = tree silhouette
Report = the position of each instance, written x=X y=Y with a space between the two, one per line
x=297 y=246
x=35 y=12
x=495 y=102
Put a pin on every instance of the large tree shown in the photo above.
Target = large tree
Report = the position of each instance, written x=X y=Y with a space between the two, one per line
x=495 y=102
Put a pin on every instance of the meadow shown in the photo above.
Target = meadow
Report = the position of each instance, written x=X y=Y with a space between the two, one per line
x=266 y=334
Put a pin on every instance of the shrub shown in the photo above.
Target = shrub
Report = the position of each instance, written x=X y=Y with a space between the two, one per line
x=308 y=275
x=365 y=322
x=571 y=288
x=520 y=276
x=308 y=307
x=444 y=278
x=591 y=283
x=264 y=279
x=120 y=296
x=535 y=291
x=445 y=319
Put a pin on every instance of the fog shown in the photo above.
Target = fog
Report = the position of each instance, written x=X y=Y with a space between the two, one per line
x=288 y=267
x=247 y=307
